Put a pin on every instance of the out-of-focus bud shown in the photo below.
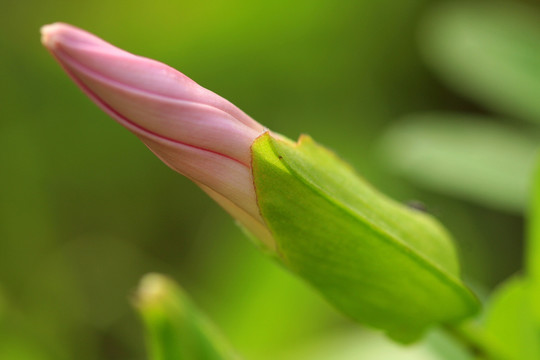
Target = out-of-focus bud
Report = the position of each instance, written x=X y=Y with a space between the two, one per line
x=175 y=327
x=193 y=130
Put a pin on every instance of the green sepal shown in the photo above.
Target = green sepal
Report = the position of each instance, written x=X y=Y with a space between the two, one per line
x=378 y=261
x=175 y=328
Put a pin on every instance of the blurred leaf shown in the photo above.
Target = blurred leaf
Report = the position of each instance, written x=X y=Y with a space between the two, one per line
x=489 y=50
x=464 y=156
x=532 y=255
x=444 y=347
x=379 y=262
x=509 y=326
x=354 y=345
x=175 y=329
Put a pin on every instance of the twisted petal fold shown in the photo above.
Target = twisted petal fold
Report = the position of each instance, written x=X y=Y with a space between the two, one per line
x=191 y=129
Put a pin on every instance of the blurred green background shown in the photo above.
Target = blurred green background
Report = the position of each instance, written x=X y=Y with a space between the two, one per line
x=429 y=101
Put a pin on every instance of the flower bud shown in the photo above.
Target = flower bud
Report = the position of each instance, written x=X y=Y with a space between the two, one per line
x=379 y=262
x=191 y=129
x=175 y=327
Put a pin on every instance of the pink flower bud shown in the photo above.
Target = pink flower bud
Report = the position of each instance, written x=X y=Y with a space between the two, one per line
x=191 y=129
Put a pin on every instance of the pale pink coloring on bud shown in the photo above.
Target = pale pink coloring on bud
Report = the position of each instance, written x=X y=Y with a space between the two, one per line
x=191 y=129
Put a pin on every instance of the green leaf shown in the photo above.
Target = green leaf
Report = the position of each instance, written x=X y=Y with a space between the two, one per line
x=509 y=327
x=378 y=261
x=533 y=245
x=466 y=156
x=175 y=329
x=488 y=50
